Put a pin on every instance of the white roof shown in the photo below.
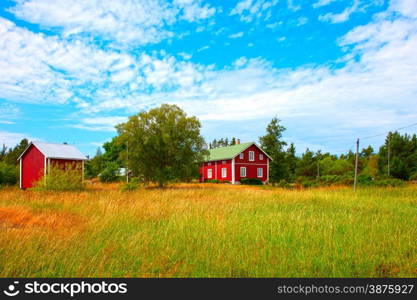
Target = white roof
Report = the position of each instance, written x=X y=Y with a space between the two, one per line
x=62 y=151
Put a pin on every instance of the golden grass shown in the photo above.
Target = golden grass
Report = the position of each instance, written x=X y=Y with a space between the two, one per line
x=209 y=230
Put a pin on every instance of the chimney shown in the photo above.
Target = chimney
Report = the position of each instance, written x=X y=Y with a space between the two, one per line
x=238 y=141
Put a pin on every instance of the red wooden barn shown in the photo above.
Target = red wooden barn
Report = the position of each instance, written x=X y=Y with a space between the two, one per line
x=232 y=163
x=38 y=157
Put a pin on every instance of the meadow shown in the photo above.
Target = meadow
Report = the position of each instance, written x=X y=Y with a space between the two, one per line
x=209 y=230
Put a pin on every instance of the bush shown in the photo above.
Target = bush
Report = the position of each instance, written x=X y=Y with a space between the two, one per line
x=365 y=179
x=212 y=181
x=129 y=186
x=68 y=178
x=251 y=181
x=110 y=173
x=393 y=182
x=132 y=185
x=9 y=174
x=283 y=184
x=413 y=177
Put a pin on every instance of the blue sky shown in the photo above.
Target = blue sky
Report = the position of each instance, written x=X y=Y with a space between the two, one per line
x=330 y=70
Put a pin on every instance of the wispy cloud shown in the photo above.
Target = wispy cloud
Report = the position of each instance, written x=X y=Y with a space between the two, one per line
x=249 y=10
x=125 y=22
x=8 y=113
x=321 y=3
x=100 y=123
x=11 y=139
x=236 y=35
x=340 y=17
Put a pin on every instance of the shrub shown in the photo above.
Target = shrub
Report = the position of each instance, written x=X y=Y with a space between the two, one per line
x=110 y=173
x=68 y=178
x=251 y=181
x=132 y=185
x=413 y=177
x=393 y=182
x=212 y=181
x=365 y=179
x=129 y=186
x=9 y=174
x=283 y=183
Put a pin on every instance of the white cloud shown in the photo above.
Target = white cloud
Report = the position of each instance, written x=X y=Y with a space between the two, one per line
x=302 y=21
x=340 y=17
x=293 y=6
x=203 y=48
x=122 y=21
x=321 y=3
x=100 y=123
x=236 y=35
x=11 y=139
x=8 y=113
x=249 y=10
x=185 y=55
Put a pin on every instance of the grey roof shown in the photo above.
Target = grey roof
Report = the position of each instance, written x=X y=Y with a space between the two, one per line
x=62 y=151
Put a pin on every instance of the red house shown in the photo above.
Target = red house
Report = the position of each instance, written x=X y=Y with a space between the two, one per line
x=38 y=157
x=232 y=163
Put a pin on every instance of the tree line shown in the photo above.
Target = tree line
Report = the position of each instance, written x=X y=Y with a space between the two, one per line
x=397 y=159
x=164 y=145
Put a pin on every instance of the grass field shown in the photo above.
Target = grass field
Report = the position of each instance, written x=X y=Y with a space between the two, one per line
x=209 y=230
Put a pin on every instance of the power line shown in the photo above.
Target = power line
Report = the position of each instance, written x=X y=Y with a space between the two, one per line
x=380 y=134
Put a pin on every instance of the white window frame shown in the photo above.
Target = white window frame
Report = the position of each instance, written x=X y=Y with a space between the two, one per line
x=209 y=173
x=261 y=173
x=241 y=156
x=224 y=172
x=243 y=174
x=261 y=156
x=251 y=155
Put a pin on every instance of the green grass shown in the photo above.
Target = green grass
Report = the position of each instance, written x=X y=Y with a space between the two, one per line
x=209 y=230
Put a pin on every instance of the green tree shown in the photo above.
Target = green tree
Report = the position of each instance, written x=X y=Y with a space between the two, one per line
x=402 y=150
x=164 y=144
x=14 y=153
x=291 y=159
x=272 y=144
x=94 y=166
x=307 y=164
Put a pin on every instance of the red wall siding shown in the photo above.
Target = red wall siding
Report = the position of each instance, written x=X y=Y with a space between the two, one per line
x=216 y=167
x=251 y=166
x=32 y=167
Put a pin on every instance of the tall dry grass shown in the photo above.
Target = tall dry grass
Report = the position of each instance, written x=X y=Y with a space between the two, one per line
x=209 y=230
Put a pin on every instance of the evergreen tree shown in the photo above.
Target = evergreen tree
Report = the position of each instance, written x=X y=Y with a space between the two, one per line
x=291 y=160
x=272 y=144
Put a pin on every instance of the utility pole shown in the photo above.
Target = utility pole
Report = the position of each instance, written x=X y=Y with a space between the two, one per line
x=127 y=162
x=356 y=165
x=389 y=153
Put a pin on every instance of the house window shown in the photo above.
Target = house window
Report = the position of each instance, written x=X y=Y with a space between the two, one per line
x=261 y=156
x=251 y=155
x=242 y=171
x=224 y=172
x=209 y=164
x=241 y=156
x=209 y=173
x=260 y=172
x=223 y=162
